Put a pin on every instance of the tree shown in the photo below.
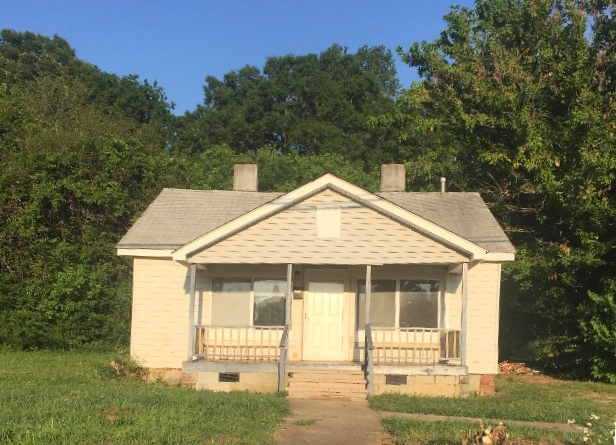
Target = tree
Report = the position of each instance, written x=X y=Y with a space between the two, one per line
x=311 y=104
x=519 y=104
x=213 y=169
x=76 y=169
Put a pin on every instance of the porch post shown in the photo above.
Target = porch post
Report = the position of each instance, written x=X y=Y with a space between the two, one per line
x=369 y=344
x=368 y=292
x=284 y=341
x=287 y=314
x=191 y=312
x=463 y=333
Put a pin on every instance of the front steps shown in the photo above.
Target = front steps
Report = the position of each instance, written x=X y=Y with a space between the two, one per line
x=323 y=384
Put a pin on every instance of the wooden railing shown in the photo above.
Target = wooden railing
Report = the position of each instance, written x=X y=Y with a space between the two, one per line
x=238 y=343
x=416 y=345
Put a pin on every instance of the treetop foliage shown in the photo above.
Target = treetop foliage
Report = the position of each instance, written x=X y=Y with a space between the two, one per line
x=310 y=104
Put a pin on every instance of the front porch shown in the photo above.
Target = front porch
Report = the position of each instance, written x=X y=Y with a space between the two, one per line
x=327 y=335
x=417 y=360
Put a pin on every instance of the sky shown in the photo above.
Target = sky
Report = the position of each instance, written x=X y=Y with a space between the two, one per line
x=178 y=43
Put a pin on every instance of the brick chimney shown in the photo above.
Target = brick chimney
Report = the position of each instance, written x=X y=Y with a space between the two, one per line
x=392 y=178
x=245 y=178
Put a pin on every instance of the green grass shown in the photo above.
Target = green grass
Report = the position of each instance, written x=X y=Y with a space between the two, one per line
x=304 y=422
x=67 y=398
x=409 y=431
x=529 y=399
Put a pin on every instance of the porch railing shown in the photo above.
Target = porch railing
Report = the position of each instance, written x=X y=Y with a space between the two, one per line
x=416 y=345
x=238 y=343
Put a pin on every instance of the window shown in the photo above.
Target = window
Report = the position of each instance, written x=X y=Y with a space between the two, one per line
x=419 y=304
x=269 y=303
x=400 y=303
x=230 y=301
x=382 y=303
x=247 y=302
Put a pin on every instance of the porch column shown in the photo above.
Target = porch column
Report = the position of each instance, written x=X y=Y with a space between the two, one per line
x=368 y=292
x=464 y=323
x=284 y=341
x=287 y=313
x=191 y=312
x=369 y=352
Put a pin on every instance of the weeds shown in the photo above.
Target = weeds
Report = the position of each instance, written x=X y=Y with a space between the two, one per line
x=486 y=435
x=595 y=430
x=127 y=368
x=304 y=422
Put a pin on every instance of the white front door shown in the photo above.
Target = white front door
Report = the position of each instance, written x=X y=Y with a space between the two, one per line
x=323 y=321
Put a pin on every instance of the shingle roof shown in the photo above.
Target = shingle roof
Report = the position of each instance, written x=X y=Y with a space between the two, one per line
x=462 y=213
x=177 y=216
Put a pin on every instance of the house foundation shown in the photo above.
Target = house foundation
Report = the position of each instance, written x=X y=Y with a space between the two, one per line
x=263 y=378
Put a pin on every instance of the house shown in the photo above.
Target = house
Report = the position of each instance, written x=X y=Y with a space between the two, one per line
x=327 y=290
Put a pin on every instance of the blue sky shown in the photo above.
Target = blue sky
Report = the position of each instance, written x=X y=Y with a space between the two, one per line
x=178 y=43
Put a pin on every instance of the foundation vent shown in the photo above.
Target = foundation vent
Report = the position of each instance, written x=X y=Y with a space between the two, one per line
x=229 y=377
x=395 y=379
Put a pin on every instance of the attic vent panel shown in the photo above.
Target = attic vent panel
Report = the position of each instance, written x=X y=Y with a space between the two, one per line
x=328 y=222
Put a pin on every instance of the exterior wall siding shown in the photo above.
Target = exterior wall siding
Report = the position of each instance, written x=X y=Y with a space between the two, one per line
x=159 y=326
x=366 y=237
x=453 y=301
x=483 y=313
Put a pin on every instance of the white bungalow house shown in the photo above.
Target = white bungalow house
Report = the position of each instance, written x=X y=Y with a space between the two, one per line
x=328 y=290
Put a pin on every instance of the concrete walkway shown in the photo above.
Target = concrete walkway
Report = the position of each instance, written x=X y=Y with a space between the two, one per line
x=332 y=422
x=335 y=422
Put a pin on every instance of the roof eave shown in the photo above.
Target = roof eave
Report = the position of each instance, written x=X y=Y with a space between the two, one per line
x=499 y=257
x=145 y=252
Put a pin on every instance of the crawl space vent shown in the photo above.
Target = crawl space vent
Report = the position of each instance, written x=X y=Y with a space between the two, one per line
x=394 y=379
x=229 y=377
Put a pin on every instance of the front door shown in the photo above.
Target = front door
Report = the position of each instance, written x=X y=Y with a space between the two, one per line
x=323 y=321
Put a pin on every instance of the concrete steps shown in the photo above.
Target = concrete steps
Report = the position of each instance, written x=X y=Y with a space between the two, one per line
x=327 y=384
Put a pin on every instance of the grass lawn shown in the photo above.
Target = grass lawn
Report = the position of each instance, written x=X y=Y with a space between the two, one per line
x=69 y=398
x=518 y=398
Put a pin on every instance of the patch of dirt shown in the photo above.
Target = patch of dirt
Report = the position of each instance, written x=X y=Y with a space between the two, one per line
x=601 y=397
x=112 y=414
x=534 y=378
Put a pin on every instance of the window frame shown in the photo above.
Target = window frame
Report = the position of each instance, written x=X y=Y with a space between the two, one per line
x=439 y=310
x=251 y=299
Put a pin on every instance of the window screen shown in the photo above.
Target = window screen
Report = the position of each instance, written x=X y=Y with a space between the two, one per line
x=231 y=301
x=419 y=303
x=269 y=303
x=382 y=303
